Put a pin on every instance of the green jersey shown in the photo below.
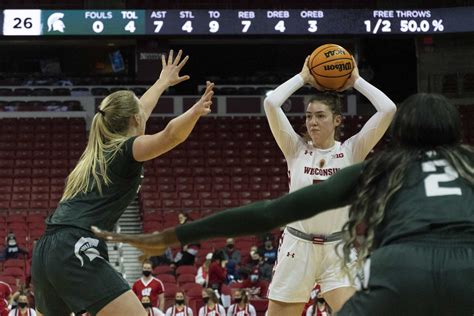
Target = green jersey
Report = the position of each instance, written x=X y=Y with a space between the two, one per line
x=433 y=199
x=104 y=210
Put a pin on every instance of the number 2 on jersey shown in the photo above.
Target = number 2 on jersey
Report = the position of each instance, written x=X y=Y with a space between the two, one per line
x=432 y=181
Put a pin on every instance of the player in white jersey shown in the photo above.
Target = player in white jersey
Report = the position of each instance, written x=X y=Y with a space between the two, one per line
x=307 y=252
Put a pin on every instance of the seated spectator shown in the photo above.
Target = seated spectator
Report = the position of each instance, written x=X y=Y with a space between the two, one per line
x=241 y=305
x=202 y=276
x=187 y=255
x=179 y=308
x=151 y=311
x=22 y=308
x=211 y=304
x=252 y=261
x=12 y=250
x=255 y=287
x=269 y=252
x=150 y=286
x=230 y=253
x=217 y=271
x=233 y=258
x=265 y=269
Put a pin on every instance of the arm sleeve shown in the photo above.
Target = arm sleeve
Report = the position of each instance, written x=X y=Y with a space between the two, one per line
x=280 y=126
x=263 y=216
x=252 y=310
x=364 y=141
x=190 y=311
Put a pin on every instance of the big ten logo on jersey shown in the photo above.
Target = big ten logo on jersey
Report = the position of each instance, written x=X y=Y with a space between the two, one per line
x=146 y=291
x=338 y=155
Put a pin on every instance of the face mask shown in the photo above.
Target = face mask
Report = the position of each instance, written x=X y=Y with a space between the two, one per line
x=12 y=242
x=205 y=300
x=22 y=305
x=237 y=300
x=146 y=305
x=230 y=247
x=254 y=278
x=179 y=302
x=321 y=301
x=146 y=273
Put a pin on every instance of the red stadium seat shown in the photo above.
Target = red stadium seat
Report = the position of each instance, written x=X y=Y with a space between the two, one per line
x=186 y=278
x=186 y=269
x=166 y=278
x=162 y=270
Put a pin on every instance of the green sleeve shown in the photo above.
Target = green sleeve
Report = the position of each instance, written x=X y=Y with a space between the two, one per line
x=263 y=216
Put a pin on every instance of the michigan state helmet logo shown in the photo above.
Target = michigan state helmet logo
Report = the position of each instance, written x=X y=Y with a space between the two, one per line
x=87 y=246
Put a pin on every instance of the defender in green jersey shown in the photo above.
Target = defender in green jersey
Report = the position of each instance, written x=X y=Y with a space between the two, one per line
x=411 y=217
x=70 y=269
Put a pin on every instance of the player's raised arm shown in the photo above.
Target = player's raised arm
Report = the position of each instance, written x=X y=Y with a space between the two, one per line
x=169 y=76
x=147 y=147
x=280 y=126
x=364 y=141
x=253 y=218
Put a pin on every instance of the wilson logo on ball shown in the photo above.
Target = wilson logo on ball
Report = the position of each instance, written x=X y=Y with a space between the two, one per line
x=340 y=67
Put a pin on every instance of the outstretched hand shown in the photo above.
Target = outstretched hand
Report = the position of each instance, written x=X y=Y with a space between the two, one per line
x=170 y=72
x=203 y=106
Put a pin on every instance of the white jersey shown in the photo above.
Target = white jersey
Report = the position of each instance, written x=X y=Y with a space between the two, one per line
x=173 y=311
x=308 y=164
x=218 y=310
x=235 y=310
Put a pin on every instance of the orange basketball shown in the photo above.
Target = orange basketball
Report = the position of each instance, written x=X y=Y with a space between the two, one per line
x=331 y=65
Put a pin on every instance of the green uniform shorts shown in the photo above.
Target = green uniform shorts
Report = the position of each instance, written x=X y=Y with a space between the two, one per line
x=71 y=273
x=426 y=276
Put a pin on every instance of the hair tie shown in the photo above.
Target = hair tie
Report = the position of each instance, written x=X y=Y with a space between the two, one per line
x=101 y=112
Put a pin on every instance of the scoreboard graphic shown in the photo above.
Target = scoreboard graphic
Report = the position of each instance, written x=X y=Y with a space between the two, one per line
x=235 y=22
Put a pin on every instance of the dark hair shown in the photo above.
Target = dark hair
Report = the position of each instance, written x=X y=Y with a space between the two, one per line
x=385 y=173
x=334 y=102
x=426 y=120
x=218 y=255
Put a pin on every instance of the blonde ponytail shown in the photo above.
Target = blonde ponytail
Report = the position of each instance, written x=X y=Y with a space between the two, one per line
x=108 y=132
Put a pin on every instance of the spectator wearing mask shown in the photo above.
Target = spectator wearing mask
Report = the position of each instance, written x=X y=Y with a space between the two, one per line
x=22 y=308
x=12 y=250
x=230 y=253
x=211 y=304
x=202 y=275
x=179 y=308
x=256 y=288
x=150 y=286
x=187 y=255
x=269 y=252
x=151 y=311
x=257 y=262
x=217 y=271
x=241 y=306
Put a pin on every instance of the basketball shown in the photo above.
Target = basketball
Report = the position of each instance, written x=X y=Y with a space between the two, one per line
x=331 y=65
